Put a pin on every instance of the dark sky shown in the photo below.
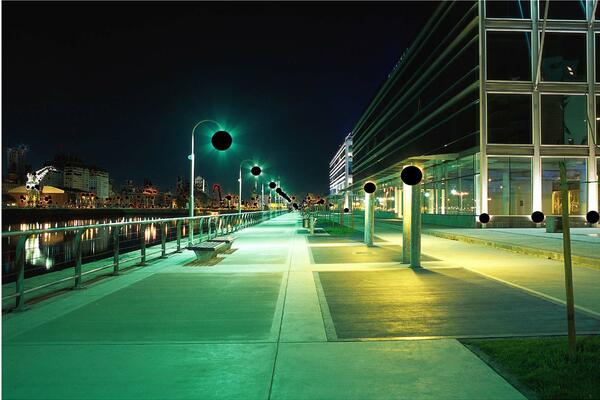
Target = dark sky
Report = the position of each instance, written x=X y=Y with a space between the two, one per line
x=122 y=84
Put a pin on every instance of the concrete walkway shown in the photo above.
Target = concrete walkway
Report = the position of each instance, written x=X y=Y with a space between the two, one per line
x=254 y=326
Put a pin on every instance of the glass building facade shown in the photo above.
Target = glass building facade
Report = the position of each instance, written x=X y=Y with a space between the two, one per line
x=487 y=100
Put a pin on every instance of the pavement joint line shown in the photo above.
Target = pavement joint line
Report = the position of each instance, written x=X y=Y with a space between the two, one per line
x=287 y=279
x=330 y=331
x=536 y=293
x=310 y=255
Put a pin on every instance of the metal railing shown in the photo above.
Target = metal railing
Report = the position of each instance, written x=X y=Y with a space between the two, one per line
x=216 y=225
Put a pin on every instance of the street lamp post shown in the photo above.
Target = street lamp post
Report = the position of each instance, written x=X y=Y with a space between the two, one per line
x=221 y=140
x=240 y=186
x=256 y=171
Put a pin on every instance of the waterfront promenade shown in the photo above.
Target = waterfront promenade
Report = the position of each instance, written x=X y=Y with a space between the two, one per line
x=287 y=316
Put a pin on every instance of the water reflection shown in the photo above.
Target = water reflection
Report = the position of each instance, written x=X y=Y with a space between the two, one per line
x=55 y=250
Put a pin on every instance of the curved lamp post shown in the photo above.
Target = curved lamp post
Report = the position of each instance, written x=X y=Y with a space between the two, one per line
x=221 y=140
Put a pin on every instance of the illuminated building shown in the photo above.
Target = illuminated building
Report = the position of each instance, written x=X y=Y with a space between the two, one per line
x=340 y=170
x=468 y=104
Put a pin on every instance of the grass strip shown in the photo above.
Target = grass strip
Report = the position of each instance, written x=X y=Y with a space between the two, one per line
x=542 y=365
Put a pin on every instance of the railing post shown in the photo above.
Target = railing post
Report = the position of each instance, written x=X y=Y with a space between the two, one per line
x=191 y=227
x=142 y=246
x=209 y=228
x=20 y=264
x=179 y=236
x=116 y=243
x=77 y=242
x=163 y=239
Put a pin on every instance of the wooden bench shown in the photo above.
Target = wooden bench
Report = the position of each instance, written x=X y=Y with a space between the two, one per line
x=227 y=240
x=207 y=250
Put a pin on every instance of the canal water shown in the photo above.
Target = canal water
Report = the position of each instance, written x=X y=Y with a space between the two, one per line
x=53 y=251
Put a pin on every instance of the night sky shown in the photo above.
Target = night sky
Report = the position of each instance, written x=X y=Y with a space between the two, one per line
x=122 y=84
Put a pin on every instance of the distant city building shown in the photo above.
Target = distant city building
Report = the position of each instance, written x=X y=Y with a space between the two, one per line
x=340 y=170
x=16 y=166
x=487 y=101
x=79 y=179
x=99 y=184
x=200 y=184
x=128 y=187
x=76 y=178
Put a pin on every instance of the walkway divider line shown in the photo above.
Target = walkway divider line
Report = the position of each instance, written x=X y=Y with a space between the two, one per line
x=287 y=279
x=537 y=294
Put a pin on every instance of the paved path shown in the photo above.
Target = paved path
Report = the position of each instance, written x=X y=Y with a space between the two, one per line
x=254 y=326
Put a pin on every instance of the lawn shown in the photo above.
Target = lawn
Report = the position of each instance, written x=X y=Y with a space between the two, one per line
x=335 y=229
x=542 y=364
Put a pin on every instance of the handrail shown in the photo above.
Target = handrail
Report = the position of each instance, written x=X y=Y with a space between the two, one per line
x=119 y=224
x=224 y=224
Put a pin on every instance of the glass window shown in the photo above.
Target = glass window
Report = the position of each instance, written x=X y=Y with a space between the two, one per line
x=508 y=9
x=509 y=118
x=563 y=9
x=509 y=186
x=598 y=181
x=564 y=119
x=465 y=166
x=509 y=56
x=576 y=181
x=563 y=58
x=597 y=119
x=597 y=57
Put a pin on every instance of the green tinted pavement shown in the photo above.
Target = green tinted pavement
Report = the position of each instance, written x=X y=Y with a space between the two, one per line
x=272 y=321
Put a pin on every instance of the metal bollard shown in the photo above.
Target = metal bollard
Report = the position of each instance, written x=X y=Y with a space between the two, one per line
x=116 y=242
x=78 y=234
x=142 y=246
x=178 y=236
x=163 y=240
x=20 y=265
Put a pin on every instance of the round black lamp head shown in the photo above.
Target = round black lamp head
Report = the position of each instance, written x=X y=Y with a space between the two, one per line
x=272 y=185
x=592 y=217
x=255 y=170
x=484 y=218
x=370 y=187
x=411 y=175
x=537 y=217
x=221 y=140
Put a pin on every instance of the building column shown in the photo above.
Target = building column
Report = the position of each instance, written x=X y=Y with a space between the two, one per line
x=415 y=227
x=482 y=204
x=406 y=222
x=536 y=166
x=369 y=219
x=592 y=170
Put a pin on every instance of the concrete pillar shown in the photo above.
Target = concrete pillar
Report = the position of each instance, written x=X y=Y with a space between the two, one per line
x=406 y=222
x=415 y=227
x=369 y=219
